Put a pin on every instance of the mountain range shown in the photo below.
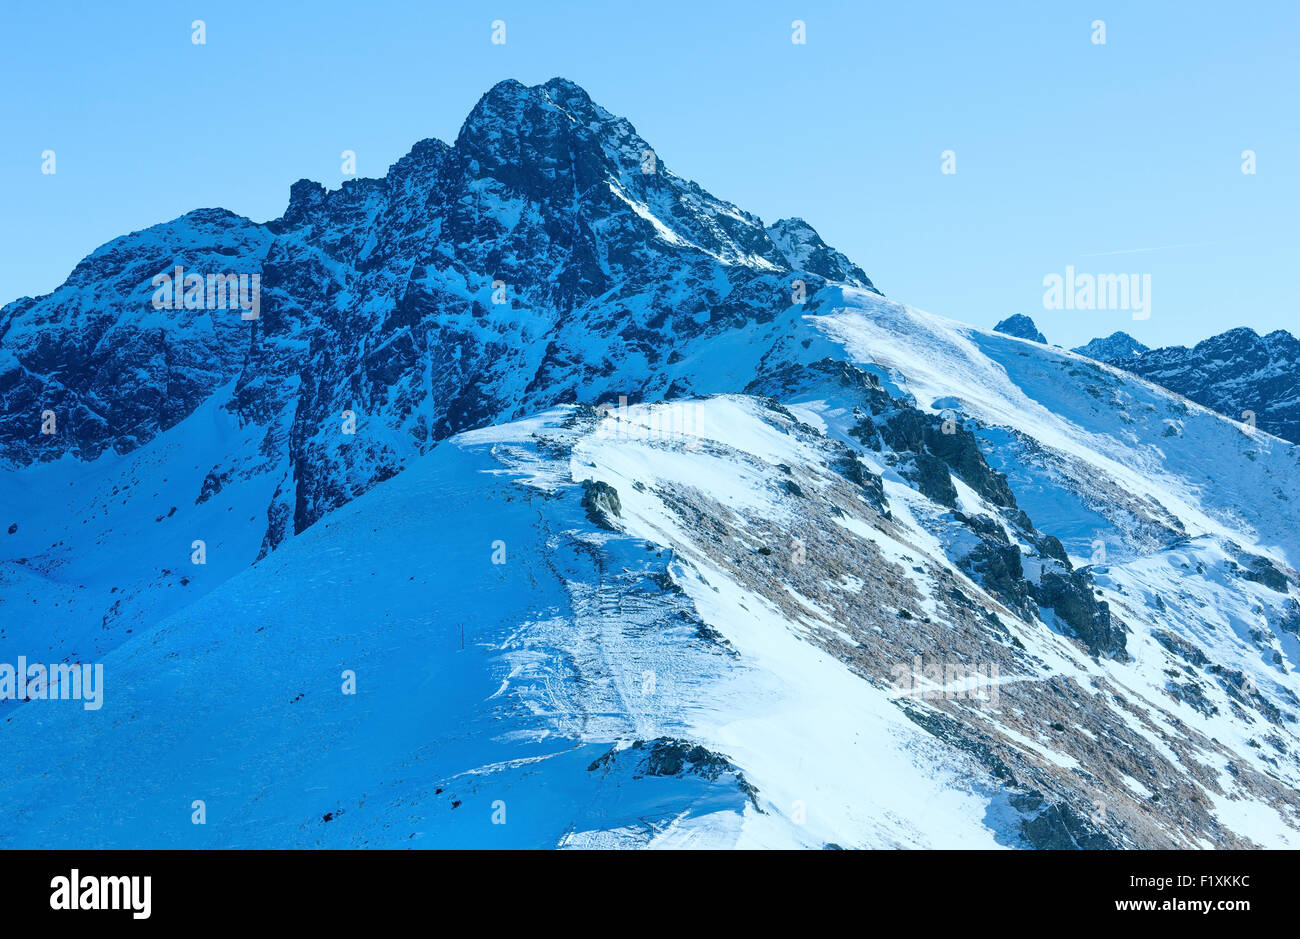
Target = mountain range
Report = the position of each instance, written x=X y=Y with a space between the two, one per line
x=548 y=500
x=1245 y=376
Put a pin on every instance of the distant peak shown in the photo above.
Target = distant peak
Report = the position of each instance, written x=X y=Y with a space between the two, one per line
x=1239 y=332
x=1118 y=345
x=1021 y=327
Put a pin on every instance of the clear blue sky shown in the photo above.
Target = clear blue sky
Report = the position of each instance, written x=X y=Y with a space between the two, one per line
x=1066 y=150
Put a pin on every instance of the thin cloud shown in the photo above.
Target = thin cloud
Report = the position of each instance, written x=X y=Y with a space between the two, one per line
x=1102 y=254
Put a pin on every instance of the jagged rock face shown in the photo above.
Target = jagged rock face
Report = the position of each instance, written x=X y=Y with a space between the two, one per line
x=548 y=256
x=1233 y=373
x=1020 y=326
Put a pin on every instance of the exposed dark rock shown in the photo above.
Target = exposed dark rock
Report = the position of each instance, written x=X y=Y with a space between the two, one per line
x=1058 y=827
x=601 y=501
x=1069 y=594
x=669 y=756
x=1180 y=647
x=995 y=562
x=1262 y=571
x=1192 y=693
x=957 y=448
x=872 y=486
x=930 y=474
x=1051 y=547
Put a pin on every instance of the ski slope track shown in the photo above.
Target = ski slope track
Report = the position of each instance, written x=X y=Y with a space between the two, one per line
x=695 y=541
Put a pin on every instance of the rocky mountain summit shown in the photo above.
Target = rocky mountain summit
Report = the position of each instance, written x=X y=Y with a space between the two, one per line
x=1118 y=345
x=558 y=267
x=1020 y=326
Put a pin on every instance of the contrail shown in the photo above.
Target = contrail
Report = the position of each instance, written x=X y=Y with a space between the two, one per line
x=1099 y=254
